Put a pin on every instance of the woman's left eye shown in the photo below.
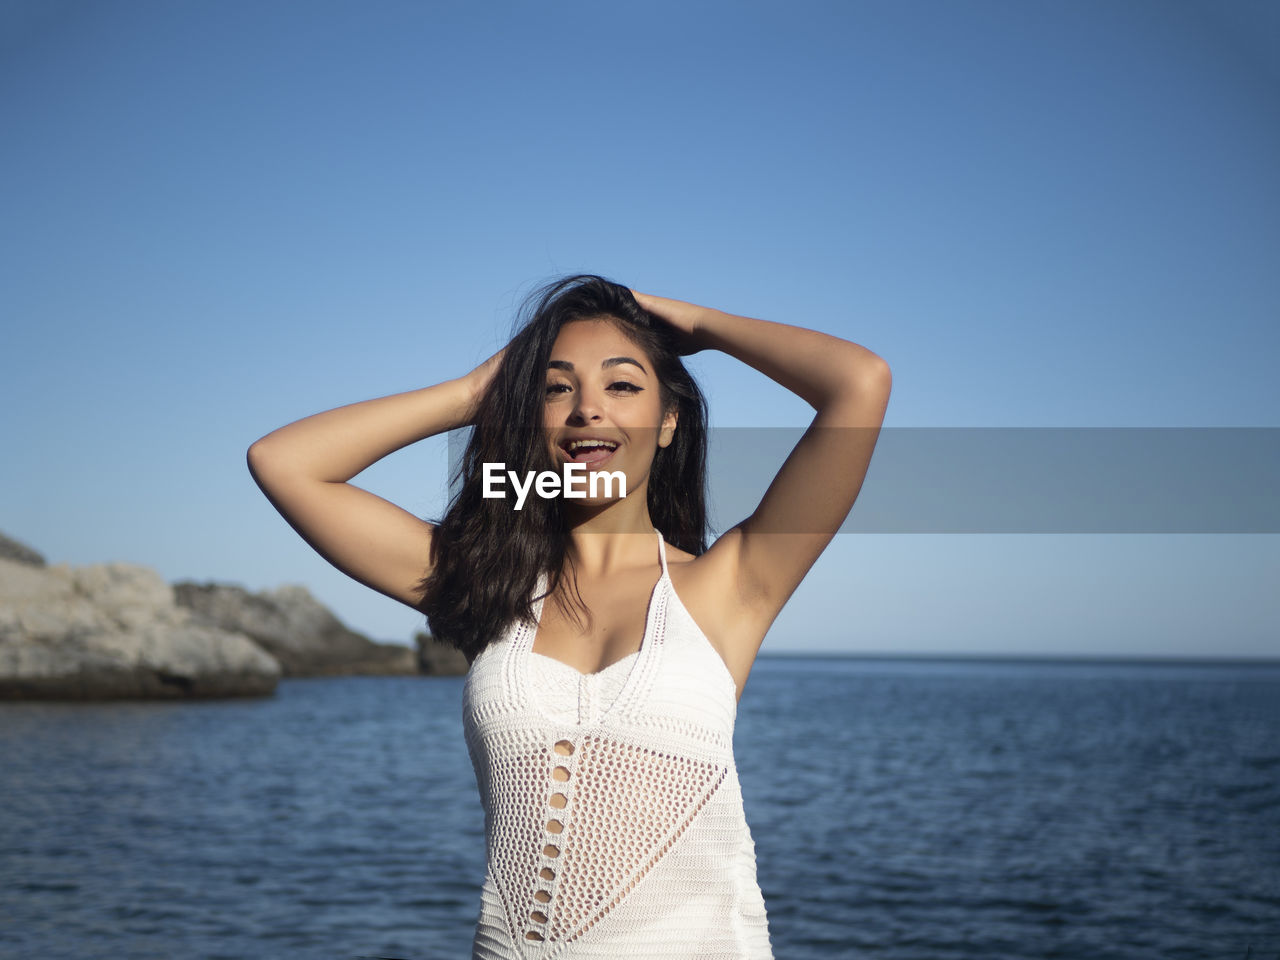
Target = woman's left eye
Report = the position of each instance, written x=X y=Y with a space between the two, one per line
x=624 y=385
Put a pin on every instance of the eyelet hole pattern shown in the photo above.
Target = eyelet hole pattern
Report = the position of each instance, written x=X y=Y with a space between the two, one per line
x=635 y=837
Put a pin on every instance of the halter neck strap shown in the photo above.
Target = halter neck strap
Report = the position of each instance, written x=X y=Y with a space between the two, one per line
x=662 y=550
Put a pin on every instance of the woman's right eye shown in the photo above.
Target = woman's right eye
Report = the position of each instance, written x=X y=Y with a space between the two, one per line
x=553 y=388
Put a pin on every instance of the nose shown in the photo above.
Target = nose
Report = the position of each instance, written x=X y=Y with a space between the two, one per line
x=588 y=407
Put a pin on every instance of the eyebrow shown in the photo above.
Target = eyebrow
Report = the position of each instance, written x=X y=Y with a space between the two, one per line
x=611 y=362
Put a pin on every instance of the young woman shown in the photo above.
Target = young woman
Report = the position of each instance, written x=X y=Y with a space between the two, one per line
x=600 y=723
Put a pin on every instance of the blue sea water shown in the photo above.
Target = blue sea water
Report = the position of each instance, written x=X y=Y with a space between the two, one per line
x=906 y=810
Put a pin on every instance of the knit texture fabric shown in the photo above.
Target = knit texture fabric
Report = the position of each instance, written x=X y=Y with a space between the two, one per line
x=613 y=814
x=568 y=696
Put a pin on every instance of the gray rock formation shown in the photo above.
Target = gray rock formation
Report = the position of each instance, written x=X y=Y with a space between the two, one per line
x=113 y=631
x=19 y=552
x=295 y=628
x=438 y=659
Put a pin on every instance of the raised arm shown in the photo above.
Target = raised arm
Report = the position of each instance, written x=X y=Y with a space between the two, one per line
x=304 y=469
x=765 y=556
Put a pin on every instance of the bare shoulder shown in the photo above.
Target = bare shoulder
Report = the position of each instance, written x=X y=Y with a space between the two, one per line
x=709 y=587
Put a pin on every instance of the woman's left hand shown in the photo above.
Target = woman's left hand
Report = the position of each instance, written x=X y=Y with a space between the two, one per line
x=685 y=318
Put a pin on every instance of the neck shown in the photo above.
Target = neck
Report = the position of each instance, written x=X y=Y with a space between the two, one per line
x=612 y=538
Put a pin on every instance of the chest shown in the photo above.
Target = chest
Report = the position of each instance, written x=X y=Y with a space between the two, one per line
x=611 y=627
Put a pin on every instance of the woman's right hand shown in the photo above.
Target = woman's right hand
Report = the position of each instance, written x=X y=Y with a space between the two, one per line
x=478 y=380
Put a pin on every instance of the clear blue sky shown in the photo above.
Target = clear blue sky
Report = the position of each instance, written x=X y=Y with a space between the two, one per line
x=219 y=217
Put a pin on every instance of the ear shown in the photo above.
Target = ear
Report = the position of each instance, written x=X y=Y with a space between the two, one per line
x=668 y=428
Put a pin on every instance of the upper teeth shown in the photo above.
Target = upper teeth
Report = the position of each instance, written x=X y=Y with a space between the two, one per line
x=575 y=444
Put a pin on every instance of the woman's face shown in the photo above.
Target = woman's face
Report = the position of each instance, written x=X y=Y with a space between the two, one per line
x=603 y=405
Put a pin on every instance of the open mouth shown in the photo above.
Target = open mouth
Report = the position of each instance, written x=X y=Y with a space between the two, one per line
x=590 y=450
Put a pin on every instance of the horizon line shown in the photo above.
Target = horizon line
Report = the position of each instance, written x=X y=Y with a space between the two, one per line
x=1119 y=659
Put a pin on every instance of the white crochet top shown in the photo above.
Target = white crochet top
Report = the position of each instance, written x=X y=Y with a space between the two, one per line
x=613 y=815
x=568 y=696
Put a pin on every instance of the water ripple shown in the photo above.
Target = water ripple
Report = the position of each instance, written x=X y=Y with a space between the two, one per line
x=901 y=811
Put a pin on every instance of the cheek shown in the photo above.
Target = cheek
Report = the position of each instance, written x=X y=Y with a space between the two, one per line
x=654 y=411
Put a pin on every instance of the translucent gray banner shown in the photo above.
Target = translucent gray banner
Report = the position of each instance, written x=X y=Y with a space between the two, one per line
x=1019 y=479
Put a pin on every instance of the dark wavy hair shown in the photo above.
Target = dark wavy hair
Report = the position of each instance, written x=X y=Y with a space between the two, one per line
x=485 y=556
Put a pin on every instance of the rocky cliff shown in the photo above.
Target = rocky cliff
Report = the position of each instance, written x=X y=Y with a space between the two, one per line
x=119 y=631
x=438 y=659
x=113 y=631
x=295 y=628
